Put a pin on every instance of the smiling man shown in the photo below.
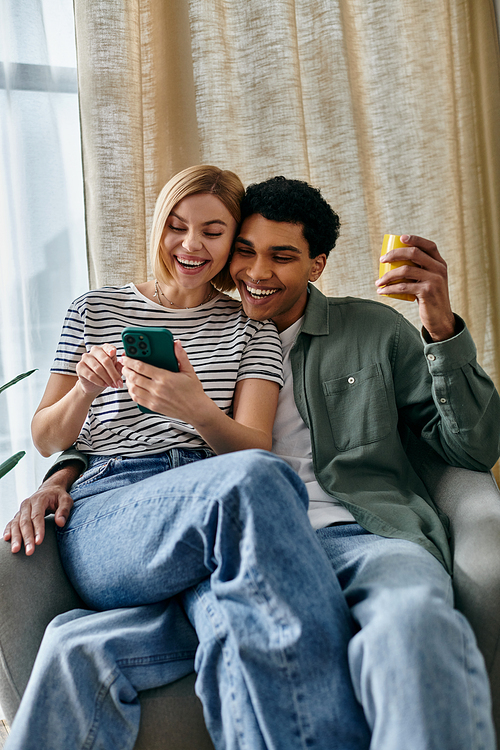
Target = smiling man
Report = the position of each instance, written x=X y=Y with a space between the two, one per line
x=358 y=378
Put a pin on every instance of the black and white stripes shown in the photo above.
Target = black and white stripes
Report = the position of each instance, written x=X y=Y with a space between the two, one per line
x=223 y=346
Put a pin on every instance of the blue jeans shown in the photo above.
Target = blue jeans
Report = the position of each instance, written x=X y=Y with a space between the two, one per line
x=414 y=661
x=231 y=537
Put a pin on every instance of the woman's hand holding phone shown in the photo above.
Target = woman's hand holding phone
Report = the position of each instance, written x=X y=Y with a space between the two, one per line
x=161 y=379
x=179 y=395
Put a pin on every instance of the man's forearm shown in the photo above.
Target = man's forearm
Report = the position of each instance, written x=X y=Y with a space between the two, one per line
x=65 y=476
x=72 y=456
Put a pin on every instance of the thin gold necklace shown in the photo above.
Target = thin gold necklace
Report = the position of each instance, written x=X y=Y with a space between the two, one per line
x=159 y=291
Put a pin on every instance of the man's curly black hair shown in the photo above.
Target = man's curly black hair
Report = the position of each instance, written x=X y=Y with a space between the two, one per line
x=294 y=201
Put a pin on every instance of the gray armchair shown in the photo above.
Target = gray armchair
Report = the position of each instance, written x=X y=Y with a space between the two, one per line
x=34 y=590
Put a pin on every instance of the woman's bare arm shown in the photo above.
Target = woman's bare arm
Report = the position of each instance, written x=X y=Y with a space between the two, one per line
x=254 y=408
x=59 y=418
x=67 y=399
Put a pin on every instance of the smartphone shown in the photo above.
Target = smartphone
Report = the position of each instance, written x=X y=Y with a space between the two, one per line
x=153 y=345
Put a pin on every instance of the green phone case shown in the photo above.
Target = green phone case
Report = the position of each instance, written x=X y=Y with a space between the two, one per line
x=153 y=345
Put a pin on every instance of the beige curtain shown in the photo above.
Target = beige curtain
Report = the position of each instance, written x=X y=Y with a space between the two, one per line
x=138 y=120
x=391 y=107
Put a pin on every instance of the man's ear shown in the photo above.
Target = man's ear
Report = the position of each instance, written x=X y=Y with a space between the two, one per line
x=317 y=267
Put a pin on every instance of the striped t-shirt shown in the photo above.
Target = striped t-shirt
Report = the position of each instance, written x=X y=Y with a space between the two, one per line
x=222 y=344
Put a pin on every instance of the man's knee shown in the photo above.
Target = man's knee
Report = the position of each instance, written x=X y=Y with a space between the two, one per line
x=416 y=618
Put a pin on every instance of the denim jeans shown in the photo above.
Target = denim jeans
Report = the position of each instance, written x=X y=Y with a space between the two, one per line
x=414 y=661
x=231 y=537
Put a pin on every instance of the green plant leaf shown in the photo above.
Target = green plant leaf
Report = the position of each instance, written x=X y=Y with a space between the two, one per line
x=11 y=462
x=16 y=380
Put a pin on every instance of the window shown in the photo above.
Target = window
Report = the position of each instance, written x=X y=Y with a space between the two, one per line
x=42 y=237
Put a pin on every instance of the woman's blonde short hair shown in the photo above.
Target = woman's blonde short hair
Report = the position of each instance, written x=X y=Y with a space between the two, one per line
x=203 y=178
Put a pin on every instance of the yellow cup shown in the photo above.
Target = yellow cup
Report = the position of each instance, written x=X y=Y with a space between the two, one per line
x=391 y=242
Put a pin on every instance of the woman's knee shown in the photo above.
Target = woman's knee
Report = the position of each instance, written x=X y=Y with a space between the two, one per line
x=63 y=635
x=267 y=479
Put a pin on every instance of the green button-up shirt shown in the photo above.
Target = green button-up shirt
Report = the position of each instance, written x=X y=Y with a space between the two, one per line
x=362 y=377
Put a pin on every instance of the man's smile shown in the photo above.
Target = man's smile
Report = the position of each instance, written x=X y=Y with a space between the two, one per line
x=258 y=293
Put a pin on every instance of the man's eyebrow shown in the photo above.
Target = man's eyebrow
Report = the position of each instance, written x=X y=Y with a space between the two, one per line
x=205 y=223
x=287 y=249
x=244 y=241
x=274 y=248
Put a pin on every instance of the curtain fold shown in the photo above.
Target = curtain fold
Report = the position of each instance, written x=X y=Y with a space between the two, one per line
x=138 y=123
x=390 y=107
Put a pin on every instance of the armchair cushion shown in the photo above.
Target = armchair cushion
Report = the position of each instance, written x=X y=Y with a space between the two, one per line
x=471 y=500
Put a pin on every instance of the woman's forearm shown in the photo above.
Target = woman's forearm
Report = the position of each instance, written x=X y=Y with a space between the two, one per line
x=225 y=435
x=56 y=426
x=254 y=409
x=67 y=399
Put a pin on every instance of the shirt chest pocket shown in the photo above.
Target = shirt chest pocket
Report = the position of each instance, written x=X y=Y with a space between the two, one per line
x=358 y=408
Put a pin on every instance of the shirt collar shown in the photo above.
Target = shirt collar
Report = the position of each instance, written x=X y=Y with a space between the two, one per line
x=317 y=313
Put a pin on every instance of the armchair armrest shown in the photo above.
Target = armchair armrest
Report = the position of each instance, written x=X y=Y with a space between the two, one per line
x=471 y=500
x=33 y=590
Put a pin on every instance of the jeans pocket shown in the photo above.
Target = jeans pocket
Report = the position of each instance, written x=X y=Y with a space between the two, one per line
x=99 y=467
x=358 y=408
x=189 y=456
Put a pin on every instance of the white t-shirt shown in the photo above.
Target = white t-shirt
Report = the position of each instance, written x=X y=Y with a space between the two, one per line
x=292 y=442
x=222 y=344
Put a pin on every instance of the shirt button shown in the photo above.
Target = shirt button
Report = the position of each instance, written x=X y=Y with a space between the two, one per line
x=442 y=400
x=431 y=357
x=351 y=380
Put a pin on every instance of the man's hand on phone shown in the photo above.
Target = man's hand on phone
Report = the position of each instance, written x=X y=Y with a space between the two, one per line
x=28 y=525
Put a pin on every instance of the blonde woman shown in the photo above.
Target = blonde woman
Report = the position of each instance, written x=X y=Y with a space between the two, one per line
x=237 y=361
x=158 y=514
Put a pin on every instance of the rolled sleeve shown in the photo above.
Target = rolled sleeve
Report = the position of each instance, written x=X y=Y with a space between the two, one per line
x=465 y=398
x=72 y=454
